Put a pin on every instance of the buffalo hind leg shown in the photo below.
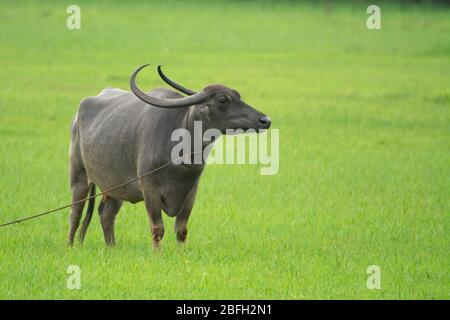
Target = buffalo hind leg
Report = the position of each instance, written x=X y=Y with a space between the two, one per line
x=108 y=209
x=183 y=217
x=80 y=187
x=79 y=191
x=153 y=206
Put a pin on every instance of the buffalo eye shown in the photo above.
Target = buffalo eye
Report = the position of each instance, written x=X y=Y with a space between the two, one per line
x=223 y=99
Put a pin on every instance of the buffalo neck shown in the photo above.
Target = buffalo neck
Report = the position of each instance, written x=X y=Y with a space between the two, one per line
x=192 y=115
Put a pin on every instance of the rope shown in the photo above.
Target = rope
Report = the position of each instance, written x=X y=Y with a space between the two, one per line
x=95 y=195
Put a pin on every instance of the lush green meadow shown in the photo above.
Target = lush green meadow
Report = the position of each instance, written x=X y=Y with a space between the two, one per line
x=364 y=122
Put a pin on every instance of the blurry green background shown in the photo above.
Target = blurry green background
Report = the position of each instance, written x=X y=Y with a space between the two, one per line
x=364 y=120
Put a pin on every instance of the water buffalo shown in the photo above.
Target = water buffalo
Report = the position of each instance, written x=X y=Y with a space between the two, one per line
x=120 y=135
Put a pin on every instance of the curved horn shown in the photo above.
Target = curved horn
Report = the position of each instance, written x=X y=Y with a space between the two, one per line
x=163 y=102
x=174 y=84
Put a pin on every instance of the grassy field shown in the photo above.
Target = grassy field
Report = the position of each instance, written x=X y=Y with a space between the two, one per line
x=364 y=120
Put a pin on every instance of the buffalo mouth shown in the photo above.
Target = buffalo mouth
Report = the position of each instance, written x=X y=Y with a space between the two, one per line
x=245 y=130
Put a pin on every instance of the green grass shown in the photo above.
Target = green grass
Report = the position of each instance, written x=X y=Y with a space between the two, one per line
x=364 y=120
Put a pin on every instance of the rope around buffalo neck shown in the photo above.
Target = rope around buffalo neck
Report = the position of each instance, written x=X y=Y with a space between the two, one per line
x=95 y=195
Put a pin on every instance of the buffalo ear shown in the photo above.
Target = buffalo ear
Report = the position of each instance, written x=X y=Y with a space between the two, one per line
x=205 y=112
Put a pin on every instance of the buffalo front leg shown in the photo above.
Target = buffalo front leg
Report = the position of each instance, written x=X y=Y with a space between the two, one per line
x=108 y=210
x=153 y=206
x=183 y=217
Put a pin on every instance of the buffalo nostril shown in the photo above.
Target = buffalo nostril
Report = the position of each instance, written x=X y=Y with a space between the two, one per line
x=265 y=121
